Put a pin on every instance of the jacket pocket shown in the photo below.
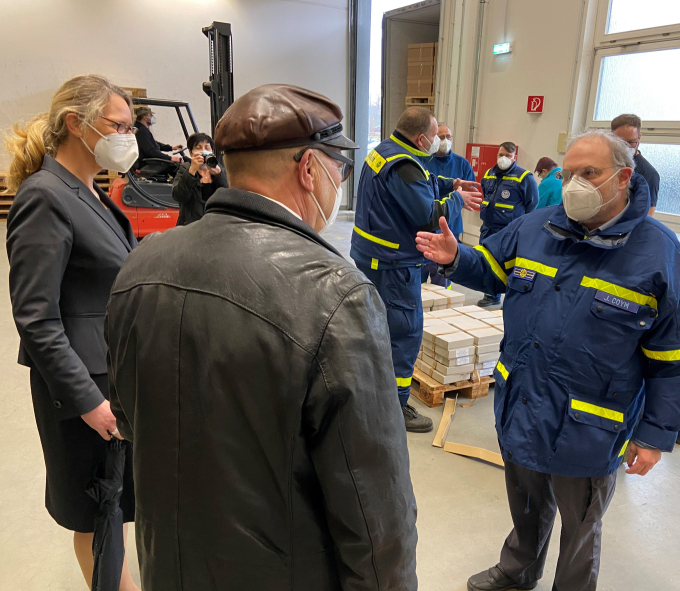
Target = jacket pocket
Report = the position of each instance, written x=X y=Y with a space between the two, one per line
x=402 y=300
x=501 y=374
x=592 y=434
x=635 y=317
x=522 y=284
x=484 y=211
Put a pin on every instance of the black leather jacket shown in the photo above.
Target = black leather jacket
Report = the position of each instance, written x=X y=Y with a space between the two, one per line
x=250 y=365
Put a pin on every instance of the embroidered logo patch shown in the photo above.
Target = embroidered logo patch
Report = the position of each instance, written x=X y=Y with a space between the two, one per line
x=505 y=194
x=607 y=298
x=525 y=274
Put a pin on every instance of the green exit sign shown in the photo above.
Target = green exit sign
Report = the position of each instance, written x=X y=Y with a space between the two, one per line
x=502 y=48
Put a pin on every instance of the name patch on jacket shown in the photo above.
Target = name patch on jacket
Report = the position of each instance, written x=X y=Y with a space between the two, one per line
x=617 y=302
x=525 y=274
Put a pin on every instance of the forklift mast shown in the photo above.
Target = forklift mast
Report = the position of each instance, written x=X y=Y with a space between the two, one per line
x=220 y=89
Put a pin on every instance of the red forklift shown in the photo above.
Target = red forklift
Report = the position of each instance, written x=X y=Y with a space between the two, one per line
x=144 y=194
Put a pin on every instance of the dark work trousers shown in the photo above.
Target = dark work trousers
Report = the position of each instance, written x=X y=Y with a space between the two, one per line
x=534 y=498
x=400 y=292
x=430 y=270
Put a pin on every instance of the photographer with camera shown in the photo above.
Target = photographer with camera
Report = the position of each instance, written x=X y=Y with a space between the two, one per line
x=195 y=182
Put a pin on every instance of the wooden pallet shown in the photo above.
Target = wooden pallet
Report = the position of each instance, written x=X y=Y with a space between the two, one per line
x=420 y=100
x=432 y=393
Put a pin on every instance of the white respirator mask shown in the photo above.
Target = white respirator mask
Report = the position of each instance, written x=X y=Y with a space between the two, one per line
x=330 y=220
x=583 y=200
x=116 y=151
x=447 y=146
x=434 y=145
x=504 y=162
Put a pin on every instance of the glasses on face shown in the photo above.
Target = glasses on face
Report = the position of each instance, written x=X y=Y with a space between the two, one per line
x=345 y=166
x=120 y=127
x=588 y=173
x=446 y=137
x=634 y=143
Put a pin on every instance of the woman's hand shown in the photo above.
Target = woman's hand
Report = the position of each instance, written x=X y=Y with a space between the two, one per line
x=102 y=420
x=440 y=248
x=196 y=162
x=215 y=171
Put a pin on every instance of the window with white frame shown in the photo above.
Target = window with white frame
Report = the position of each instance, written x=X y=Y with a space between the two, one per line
x=635 y=70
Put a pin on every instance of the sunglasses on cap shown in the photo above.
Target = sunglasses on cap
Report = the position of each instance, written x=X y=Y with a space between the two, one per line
x=347 y=163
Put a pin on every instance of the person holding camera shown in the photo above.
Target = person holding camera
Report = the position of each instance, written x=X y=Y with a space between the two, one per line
x=195 y=182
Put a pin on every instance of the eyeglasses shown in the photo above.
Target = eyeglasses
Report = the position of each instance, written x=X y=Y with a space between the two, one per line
x=347 y=163
x=121 y=127
x=588 y=173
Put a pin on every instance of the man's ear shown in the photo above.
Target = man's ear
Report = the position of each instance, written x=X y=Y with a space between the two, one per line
x=624 y=177
x=306 y=172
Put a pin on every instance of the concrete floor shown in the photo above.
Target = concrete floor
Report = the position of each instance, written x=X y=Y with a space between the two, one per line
x=462 y=521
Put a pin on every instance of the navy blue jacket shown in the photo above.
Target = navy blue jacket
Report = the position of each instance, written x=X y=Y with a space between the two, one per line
x=390 y=211
x=591 y=354
x=508 y=194
x=451 y=166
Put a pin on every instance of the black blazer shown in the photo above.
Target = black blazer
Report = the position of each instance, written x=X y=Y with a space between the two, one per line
x=191 y=193
x=65 y=250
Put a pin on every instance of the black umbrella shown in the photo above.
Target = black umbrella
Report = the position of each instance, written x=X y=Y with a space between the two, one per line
x=108 y=546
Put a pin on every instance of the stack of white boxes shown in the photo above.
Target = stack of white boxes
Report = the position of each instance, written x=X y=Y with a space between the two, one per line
x=458 y=341
x=437 y=298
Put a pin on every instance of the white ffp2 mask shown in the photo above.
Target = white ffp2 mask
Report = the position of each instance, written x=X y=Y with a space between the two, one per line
x=330 y=220
x=446 y=146
x=434 y=145
x=504 y=162
x=116 y=151
x=583 y=200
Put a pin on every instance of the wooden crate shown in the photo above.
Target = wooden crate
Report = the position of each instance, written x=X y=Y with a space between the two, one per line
x=419 y=101
x=432 y=393
x=135 y=92
x=105 y=179
x=5 y=198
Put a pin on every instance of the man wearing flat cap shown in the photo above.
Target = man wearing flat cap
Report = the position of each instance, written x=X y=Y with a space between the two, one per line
x=251 y=367
x=146 y=142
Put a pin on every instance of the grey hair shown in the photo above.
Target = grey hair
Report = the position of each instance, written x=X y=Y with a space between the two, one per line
x=618 y=147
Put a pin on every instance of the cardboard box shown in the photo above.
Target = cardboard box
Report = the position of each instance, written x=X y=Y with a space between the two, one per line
x=420 y=88
x=420 y=71
x=453 y=361
x=495 y=321
x=467 y=324
x=448 y=354
x=485 y=372
x=431 y=332
x=450 y=379
x=427 y=322
x=445 y=313
x=429 y=360
x=449 y=370
x=427 y=301
x=486 y=365
x=486 y=336
x=483 y=315
x=481 y=358
x=467 y=309
x=492 y=348
x=421 y=52
x=455 y=340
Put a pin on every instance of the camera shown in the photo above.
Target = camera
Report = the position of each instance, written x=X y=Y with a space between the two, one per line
x=209 y=159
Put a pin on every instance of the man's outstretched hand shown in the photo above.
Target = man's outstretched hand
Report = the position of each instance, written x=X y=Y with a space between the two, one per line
x=472 y=200
x=440 y=248
x=468 y=186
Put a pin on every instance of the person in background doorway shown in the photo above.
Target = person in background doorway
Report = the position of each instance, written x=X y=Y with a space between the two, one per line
x=398 y=196
x=550 y=189
x=628 y=127
x=509 y=192
x=589 y=372
x=148 y=146
x=66 y=242
x=449 y=165
x=196 y=182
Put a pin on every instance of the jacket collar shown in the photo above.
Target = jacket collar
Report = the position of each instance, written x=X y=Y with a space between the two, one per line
x=498 y=173
x=69 y=179
x=250 y=206
x=407 y=144
x=560 y=226
x=552 y=173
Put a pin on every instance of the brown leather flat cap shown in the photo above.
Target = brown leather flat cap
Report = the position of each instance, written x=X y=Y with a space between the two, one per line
x=277 y=116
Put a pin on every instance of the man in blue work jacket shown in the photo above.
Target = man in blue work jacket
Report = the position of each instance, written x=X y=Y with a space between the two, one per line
x=589 y=371
x=446 y=164
x=509 y=192
x=397 y=196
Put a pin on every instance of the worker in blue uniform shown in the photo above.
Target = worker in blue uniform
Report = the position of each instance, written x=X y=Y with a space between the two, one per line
x=446 y=164
x=509 y=192
x=397 y=196
x=550 y=186
x=589 y=371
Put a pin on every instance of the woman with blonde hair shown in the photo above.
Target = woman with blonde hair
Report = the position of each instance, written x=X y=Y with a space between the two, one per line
x=66 y=242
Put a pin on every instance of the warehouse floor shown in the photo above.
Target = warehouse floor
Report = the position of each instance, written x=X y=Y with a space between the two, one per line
x=462 y=521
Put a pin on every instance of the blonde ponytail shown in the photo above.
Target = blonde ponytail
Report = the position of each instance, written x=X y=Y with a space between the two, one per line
x=86 y=96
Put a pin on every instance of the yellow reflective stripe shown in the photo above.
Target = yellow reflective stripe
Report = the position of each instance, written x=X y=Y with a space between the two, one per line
x=404 y=382
x=504 y=206
x=450 y=286
x=409 y=148
x=495 y=267
x=427 y=173
x=517 y=179
x=375 y=239
x=485 y=203
x=501 y=368
x=623 y=449
x=619 y=292
x=445 y=198
x=533 y=265
x=374 y=264
x=489 y=176
x=673 y=355
x=375 y=161
x=600 y=411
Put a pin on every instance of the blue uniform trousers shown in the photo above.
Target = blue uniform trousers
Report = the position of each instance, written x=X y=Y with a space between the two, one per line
x=430 y=270
x=399 y=289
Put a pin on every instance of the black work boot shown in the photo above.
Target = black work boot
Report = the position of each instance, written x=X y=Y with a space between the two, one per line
x=415 y=422
x=489 y=301
x=495 y=579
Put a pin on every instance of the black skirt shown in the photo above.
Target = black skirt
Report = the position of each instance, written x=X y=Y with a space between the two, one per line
x=73 y=454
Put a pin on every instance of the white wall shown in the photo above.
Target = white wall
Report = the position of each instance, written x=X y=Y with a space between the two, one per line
x=158 y=45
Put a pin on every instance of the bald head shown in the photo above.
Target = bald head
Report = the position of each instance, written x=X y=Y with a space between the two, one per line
x=419 y=126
